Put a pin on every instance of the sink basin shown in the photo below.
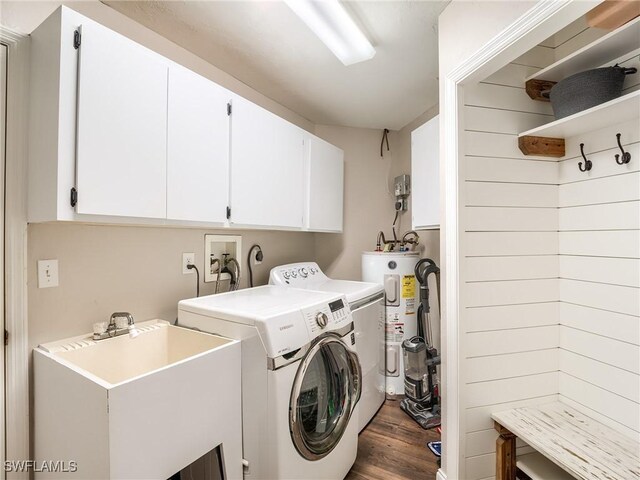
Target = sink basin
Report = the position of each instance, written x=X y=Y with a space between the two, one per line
x=142 y=407
x=122 y=358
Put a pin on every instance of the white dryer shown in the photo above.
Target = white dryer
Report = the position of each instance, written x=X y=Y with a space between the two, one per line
x=301 y=377
x=366 y=301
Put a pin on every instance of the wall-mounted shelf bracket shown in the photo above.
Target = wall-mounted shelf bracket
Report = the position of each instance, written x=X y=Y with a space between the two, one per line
x=542 y=146
x=535 y=87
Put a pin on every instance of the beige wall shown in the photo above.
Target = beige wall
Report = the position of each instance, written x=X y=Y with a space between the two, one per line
x=368 y=198
x=138 y=269
x=104 y=269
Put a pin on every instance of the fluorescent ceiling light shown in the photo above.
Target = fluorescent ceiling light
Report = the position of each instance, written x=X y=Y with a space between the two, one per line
x=332 y=24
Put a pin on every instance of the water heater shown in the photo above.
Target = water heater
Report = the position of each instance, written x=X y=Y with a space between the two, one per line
x=395 y=270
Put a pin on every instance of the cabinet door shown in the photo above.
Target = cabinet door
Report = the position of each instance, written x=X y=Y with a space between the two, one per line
x=325 y=185
x=425 y=171
x=267 y=165
x=122 y=126
x=198 y=148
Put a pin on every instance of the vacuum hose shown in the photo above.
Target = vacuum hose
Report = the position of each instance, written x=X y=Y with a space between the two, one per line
x=423 y=269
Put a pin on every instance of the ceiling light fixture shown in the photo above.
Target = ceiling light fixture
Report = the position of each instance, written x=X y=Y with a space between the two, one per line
x=332 y=24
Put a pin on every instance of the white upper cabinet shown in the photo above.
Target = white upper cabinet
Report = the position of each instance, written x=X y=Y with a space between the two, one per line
x=198 y=148
x=121 y=134
x=425 y=172
x=121 y=127
x=325 y=186
x=267 y=166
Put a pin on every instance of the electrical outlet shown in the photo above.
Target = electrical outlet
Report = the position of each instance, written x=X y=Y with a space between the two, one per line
x=188 y=259
x=47 y=273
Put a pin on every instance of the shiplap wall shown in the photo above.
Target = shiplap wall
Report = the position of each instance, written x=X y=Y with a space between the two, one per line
x=599 y=222
x=511 y=269
x=599 y=264
x=550 y=260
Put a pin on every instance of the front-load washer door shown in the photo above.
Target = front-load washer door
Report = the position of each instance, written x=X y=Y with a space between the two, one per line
x=326 y=389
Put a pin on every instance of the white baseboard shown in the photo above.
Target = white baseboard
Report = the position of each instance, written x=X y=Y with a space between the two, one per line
x=441 y=475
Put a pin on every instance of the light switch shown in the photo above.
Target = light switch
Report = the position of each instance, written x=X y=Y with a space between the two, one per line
x=47 y=273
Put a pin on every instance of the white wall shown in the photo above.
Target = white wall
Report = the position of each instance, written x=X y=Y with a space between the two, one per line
x=463 y=28
x=599 y=264
x=509 y=259
x=599 y=247
x=550 y=265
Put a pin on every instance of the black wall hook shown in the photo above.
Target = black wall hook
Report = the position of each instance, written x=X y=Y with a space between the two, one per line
x=587 y=163
x=626 y=156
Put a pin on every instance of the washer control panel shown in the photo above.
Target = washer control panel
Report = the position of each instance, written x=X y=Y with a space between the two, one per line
x=296 y=274
x=322 y=320
x=331 y=316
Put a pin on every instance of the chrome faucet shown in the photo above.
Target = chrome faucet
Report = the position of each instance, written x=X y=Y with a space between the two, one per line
x=113 y=330
x=127 y=315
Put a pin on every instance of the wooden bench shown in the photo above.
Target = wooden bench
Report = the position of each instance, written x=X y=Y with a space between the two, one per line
x=581 y=446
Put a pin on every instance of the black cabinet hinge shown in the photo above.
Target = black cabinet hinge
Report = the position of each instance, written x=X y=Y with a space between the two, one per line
x=228 y=213
x=6 y=337
x=74 y=197
x=228 y=108
x=77 y=37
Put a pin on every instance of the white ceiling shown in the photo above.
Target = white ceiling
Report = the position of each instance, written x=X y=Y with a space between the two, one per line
x=265 y=45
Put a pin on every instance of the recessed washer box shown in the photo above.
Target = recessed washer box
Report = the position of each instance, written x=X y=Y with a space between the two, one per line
x=215 y=246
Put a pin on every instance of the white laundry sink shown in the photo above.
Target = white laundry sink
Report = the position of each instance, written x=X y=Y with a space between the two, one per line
x=142 y=407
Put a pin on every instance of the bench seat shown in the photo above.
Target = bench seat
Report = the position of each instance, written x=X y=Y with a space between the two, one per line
x=579 y=445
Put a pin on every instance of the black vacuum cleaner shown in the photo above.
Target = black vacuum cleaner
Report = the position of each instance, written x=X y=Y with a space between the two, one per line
x=421 y=359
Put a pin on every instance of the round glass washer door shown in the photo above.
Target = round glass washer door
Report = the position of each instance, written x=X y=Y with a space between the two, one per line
x=326 y=389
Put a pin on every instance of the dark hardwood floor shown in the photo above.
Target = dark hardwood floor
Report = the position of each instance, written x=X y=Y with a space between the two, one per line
x=394 y=447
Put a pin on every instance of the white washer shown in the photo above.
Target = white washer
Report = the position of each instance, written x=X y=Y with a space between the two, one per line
x=301 y=377
x=366 y=301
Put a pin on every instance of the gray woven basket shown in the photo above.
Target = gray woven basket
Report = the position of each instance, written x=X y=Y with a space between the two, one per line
x=587 y=89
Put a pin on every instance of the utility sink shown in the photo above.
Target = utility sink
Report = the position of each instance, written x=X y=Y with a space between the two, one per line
x=142 y=407
x=120 y=359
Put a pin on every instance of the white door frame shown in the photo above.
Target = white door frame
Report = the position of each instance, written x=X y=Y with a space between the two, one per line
x=15 y=251
x=540 y=22
x=3 y=75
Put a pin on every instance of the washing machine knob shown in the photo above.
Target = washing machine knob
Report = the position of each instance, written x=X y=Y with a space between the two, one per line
x=322 y=319
x=285 y=275
x=304 y=273
x=293 y=274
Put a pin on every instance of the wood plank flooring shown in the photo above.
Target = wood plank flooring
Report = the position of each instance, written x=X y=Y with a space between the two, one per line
x=394 y=447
